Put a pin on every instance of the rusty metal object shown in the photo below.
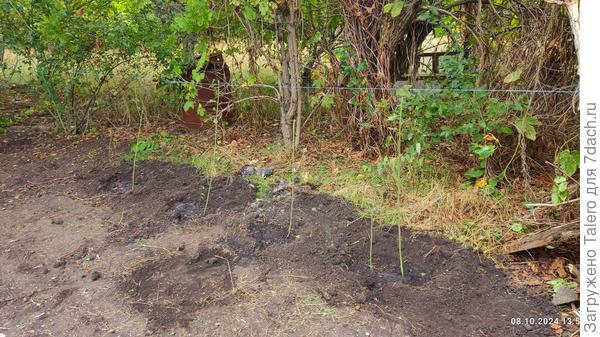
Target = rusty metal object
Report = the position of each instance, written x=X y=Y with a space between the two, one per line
x=212 y=89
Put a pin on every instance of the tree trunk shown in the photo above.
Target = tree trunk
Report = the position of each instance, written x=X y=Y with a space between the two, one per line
x=257 y=106
x=573 y=10
x=1 y=51
x=289 y=77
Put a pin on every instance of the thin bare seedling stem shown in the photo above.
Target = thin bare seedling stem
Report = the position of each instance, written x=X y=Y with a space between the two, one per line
x=210 y=177
x=371 y=244
x=293 y=179
x=230 y=273
x=398 y=187
x=214 y=157
x=137 y=139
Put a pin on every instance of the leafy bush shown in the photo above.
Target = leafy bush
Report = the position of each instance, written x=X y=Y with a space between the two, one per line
x=75 y=48
x=455 y=117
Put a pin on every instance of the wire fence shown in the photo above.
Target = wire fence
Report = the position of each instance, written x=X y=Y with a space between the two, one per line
x=394 y=88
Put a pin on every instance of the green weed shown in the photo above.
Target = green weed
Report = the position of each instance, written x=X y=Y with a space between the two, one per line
x=558 y=283
x=212 y=163
x=263 y=185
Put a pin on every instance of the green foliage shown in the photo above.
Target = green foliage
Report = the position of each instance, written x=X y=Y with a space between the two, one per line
x=526 y=126
x=211 y=163
x=568 y=162
x=142 y=148
x=483 y=151
x=559 y=190
x=475 y=172
x=518 y=228
x=354 y=77
x=473 y=235
x=560 y=282
x=262 y=184
x=75 y=47
x=513 y=76
x=393 y=8
x=4 y=124
x=451 y=118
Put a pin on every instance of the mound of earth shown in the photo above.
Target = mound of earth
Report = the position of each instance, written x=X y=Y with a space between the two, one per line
x=176 y=260
x=447 y=290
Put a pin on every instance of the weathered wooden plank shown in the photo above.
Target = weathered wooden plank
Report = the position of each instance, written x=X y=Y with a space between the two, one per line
x=543 y=238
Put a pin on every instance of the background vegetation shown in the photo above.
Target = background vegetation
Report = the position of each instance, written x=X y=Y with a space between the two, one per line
x=376 y=118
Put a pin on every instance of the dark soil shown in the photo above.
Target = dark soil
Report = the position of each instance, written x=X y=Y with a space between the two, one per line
x=167 y=268
x=170 y=289
x=182 y=196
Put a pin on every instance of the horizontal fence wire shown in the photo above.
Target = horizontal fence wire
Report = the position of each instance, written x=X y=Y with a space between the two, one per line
x=336 y=88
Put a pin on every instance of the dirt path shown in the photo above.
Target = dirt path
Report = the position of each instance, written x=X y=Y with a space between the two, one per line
x=84 y=255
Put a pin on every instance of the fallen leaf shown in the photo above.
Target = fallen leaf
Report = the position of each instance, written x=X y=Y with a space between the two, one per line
x=573 y=270
x=557 y=328
x=534 y=267
x=490 y=138
x=557 y=267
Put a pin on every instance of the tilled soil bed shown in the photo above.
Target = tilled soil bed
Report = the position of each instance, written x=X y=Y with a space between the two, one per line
x=86 y=253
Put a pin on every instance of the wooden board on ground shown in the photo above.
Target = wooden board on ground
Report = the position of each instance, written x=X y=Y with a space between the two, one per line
x=540 y=239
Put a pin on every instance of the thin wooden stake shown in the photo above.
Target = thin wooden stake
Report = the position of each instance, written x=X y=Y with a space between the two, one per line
x=293 y=179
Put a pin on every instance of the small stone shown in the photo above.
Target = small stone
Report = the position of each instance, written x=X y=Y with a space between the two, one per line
x=281 y=185
x=58 y=221
x=264 y=172
x=564 y=295
x=60 y=263
x=95 y=275
x=247 y=170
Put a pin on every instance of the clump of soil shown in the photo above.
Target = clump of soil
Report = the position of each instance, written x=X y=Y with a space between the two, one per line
x=170 y=289
x=164 y=194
